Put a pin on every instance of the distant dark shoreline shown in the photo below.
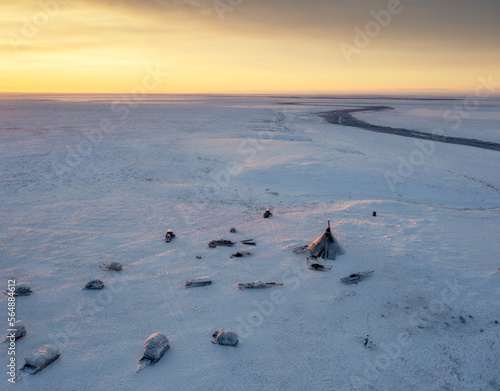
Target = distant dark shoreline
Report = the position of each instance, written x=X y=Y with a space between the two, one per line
x=345 y=118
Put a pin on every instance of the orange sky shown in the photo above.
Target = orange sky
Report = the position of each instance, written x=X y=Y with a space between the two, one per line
x=106 y=46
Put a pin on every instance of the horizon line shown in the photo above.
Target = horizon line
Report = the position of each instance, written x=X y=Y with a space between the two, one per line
x=272 y=93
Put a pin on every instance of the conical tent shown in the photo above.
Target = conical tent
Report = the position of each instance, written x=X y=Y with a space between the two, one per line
x=326 y=246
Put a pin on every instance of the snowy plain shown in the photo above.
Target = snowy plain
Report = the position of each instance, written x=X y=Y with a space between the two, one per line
x=87 y=180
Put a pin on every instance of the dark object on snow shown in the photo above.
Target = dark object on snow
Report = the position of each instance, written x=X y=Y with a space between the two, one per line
x=94 y=284
x=258 y=285
x=241 y=254
x=200 y=281
x=326 y=246
x=16 y=332
x=225 y=337
x=374 y=214
x=113 y=266
x=169 y=235
x=249 y=242
x=233 y=230
x=21 y=289
x=369 y=344
x=221 y=242
x=267 y=214
x=355 y=277
x=154 y=349
x=40 y=359
x=198 y=257
x=321 y=268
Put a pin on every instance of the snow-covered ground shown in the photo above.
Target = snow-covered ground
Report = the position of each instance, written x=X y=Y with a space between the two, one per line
x=94 y=179
x=468 y=117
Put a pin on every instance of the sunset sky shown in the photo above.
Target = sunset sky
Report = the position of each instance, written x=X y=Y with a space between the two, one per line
x=248 y=46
